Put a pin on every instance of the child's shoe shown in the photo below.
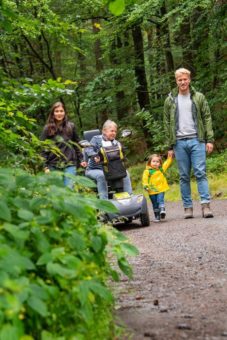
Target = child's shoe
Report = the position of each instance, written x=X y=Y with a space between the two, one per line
x=156 y=215
x=162 y=213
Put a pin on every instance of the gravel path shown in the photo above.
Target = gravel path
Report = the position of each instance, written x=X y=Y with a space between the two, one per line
x=179 y=288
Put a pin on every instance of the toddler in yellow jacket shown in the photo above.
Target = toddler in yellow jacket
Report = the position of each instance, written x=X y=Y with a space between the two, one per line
x=154 y=181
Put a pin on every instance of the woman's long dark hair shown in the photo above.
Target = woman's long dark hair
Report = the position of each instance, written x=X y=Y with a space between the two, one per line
x=52 y=127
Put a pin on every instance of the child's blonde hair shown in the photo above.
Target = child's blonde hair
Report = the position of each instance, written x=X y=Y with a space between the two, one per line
x=152 y=156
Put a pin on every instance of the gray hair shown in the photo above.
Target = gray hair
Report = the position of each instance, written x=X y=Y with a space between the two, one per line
x=109 y=123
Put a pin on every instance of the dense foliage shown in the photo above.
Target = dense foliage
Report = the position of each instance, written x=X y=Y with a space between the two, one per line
x=111 y=66
x=55 y=260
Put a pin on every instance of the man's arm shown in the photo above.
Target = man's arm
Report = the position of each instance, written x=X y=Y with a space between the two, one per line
x=207 y=121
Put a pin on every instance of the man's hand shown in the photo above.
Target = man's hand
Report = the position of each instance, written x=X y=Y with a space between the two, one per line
x=209 y=147
x=46 y=170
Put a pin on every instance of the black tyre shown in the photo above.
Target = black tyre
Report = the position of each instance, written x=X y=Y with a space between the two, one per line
x=144 y=215
x=145 y=220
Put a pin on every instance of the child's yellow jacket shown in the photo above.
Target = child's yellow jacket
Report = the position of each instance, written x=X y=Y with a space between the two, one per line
x=154 y=181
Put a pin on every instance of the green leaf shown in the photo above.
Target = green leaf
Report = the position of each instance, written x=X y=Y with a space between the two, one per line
x=44 y=259
x=42 y=243
x=77 y=242
x=129 y=249
x=9 y=332
x=38 y=291
x=55 y=268
x=15 y=262
x=103 y=205
x=96 y=243
x=117 y=7
x=12 y=261
x=101 y=290
x=15 y=231
x=24 y=180
x=38 y=305
x=5 y=213
x=25 y=214
x=50 y=336
x=84 y=181
x=38 y=202
x=74 y=209
x=125 y=267
x=7 y=180
x=20 y=203
x=115 y=276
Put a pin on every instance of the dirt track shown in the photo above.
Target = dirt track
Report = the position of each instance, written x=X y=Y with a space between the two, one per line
x=179 y=289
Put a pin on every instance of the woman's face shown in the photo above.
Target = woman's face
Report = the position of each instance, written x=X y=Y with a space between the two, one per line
x=59 y=113
x=110 y=132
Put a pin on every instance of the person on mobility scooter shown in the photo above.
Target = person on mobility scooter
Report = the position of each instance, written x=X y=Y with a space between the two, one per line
x=104 y=159
x=96 y=170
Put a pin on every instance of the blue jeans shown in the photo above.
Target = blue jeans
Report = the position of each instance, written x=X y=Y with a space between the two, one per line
x=68 y=182
x=157 y=201
x=99 y=177
x=190 y=153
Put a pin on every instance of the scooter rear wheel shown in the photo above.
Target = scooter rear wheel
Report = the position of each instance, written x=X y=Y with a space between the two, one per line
x=144 y=215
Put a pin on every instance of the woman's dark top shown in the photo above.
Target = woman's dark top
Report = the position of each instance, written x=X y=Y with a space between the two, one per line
x=70 y=153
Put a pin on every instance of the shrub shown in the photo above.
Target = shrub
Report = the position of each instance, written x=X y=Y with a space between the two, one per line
x=217 y=162
x=55 y=260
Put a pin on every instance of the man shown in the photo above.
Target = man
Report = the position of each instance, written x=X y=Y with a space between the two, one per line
x=189 y=133
x=95 y=168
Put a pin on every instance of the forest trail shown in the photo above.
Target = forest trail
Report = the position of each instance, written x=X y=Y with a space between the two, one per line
x=179 y=288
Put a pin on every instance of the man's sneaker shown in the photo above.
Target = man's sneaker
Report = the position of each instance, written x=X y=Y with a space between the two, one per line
x=188 y=212
x=206 y=211
x=162 y=213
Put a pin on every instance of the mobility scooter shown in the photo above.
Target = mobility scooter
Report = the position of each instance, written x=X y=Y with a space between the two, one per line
x=130 y=207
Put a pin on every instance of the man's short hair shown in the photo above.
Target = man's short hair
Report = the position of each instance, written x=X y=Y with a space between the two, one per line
x=182 y=70
x=109 y=123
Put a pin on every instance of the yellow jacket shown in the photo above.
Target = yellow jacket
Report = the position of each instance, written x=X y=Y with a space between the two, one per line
x=154 y=181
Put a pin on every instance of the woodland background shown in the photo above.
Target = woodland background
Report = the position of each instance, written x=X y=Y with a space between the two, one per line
x=104 y=59
x=115 y=62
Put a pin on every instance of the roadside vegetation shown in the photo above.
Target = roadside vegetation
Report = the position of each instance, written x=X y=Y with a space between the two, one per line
x=56 y=260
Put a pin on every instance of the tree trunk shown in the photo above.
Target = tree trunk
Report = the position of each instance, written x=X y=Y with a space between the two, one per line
x=121 y=105
x=167 y=46
x=142 y=89
x=99 y=66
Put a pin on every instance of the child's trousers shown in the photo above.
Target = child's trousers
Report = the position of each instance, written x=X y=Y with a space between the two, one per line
x=158 y=201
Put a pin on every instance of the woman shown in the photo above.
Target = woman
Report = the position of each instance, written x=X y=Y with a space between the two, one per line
x=95 y=168
x=63 y=133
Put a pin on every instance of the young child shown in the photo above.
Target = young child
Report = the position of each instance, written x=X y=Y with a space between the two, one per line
x=154 y=181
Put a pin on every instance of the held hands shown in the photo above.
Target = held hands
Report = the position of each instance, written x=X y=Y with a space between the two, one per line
x=209 y=147
x=46 y=170
x=170 y=154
